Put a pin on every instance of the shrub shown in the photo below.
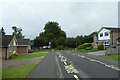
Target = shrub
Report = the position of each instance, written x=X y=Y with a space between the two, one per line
x=61 y=47
x=80 y=47
x=88 y=48
x=87 y=45
x=100 y=47
x=13 y=55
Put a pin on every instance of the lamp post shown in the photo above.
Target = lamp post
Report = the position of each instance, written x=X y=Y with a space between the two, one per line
x=49 y=44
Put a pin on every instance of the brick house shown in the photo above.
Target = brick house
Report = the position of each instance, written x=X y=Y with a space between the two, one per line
x=23 y=45
x=9 y=45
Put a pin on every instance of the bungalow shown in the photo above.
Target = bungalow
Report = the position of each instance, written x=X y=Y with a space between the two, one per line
x=9 y=45
x=23 y=45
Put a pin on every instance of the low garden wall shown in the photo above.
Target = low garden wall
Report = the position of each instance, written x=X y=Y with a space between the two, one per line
x=113 y=50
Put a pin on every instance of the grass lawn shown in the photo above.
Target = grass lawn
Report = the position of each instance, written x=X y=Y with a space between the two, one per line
x=112 y=56
x=17 y=72
x=92 y=50
x=0 y=73
x=31 y=55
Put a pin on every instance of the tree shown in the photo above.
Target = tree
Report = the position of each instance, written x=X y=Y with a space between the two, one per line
x=38 y=42
x=71 y=42
x=2 y=31
x=79 y=40
x=52 y=34
x=17 y=32
x=62 y=41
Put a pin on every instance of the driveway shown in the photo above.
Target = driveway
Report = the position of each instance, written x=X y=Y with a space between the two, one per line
x=97 y=53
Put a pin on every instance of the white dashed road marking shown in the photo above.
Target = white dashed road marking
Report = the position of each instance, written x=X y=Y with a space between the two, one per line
x=76 y=77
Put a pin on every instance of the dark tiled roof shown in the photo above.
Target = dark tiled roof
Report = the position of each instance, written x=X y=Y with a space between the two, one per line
x=6 y=39
x=112 y=29
x=115 y=29
x=23 y=42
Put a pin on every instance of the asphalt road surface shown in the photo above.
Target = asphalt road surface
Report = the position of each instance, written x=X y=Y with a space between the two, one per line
x=73 y=65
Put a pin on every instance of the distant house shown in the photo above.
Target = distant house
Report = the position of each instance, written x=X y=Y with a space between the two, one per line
x=107 y=36
x=23 y=45
x=9 y=45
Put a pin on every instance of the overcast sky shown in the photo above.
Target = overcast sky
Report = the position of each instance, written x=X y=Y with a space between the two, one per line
x=75 y=18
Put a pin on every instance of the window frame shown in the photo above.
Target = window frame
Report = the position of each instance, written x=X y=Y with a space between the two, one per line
x=101 y=34
x=106 y=33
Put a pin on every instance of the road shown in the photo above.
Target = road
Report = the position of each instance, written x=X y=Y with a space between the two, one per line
x=73 y=65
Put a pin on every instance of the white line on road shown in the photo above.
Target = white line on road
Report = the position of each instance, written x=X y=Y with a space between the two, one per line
x=76 y=77
x=97 y=61
x=60 y=71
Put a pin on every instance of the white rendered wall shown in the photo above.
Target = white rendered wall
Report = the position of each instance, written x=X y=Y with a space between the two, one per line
x=104 y=37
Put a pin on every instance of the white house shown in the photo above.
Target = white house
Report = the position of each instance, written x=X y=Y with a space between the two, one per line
x=104 y=36
x=107 y=36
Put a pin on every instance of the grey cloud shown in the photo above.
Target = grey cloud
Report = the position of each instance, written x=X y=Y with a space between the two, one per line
x=74 y=18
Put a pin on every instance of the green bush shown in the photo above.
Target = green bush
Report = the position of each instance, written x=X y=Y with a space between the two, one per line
x=87 y=45
x=13 y=55
x=80 y=47
x=61 y=47
x=89 y=48
x=100 y=47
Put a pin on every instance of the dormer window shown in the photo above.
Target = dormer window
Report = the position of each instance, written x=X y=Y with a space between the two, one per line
x=101 y=34
x=106 y=33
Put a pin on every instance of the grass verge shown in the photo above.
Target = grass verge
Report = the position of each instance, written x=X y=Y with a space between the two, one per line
x=112 y=56
x=17 y=72
x=31 y=55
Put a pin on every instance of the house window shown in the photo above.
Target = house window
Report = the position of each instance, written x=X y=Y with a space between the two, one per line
x=101 y=34
x=106 y=33
x=105 y=43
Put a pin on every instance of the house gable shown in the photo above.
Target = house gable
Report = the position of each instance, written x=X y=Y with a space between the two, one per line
x=13 y=42
x=8 y=45
x=103 y=34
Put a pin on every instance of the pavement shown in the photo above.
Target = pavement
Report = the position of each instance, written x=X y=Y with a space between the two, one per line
x=97 y=53
x=98 y=56
x=46 y=68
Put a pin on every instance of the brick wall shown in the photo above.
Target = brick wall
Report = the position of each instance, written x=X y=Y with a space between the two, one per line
x=22 y=49
x=113 y=37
